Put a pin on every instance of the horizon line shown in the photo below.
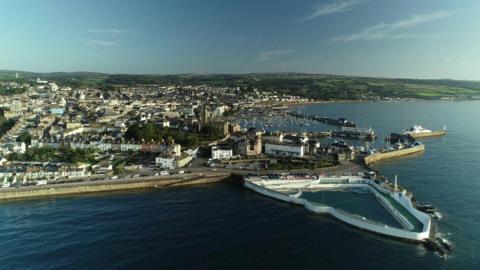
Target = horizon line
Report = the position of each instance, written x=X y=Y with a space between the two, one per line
x=244 y=73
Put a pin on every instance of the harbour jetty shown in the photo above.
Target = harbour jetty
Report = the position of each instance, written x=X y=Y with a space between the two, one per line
x=394 y=153
x=341 y=122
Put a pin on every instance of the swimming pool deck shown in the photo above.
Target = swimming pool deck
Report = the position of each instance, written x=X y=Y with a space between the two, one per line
x=418 y=226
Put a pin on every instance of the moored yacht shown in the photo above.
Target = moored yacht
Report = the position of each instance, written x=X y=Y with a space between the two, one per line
x=418 y=131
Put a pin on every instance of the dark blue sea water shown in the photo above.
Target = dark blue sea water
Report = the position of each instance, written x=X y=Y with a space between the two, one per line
x=224 y=226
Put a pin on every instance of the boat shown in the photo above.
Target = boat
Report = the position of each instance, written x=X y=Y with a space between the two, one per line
x=418 y=131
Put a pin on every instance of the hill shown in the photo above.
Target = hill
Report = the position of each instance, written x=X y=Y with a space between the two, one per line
x=316 y=86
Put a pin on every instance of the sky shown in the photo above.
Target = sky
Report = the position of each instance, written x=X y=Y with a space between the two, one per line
x=381 y=38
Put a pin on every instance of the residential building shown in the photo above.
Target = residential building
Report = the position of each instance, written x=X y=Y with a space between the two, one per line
x=221 y=152
x=165 y=161
x=250 y=144
x=284 y=150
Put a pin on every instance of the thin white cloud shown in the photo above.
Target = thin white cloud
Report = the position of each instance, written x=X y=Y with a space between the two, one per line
x=334 y=7
x=111 y=31
x=103 y=43
x=389 y=30
x=468 y=65
x=267 y=55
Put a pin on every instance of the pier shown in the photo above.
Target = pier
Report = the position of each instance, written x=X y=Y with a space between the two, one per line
x=326 y=120
x=379 y=156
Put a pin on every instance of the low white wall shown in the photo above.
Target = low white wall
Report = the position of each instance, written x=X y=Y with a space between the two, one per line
x=366 y=224
x=393 y=211
x=406 y=202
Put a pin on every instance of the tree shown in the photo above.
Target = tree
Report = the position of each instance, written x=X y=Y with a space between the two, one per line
x=213 y=131
x=119 y=169
x=25 y=137
x=147 y=132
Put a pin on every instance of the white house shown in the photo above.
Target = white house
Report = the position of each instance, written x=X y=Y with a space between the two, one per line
x=284 y=150
x=102 y=167
x=130 y=147
x=165 y=161
x=221 y=152
x=19 y=148
x=164 y=123
x=3 y=160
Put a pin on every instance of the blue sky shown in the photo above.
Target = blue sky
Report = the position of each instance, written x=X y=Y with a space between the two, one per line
x=384 y=38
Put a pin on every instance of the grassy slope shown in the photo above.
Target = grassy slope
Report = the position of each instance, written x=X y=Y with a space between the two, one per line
x=309 y=85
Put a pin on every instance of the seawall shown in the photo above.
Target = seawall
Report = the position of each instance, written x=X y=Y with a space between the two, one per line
x=111 y=185
x=370 y=159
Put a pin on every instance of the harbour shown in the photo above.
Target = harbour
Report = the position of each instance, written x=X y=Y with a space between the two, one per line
x=276 y=222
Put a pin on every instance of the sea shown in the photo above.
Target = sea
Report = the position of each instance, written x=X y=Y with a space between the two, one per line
x=224 y=226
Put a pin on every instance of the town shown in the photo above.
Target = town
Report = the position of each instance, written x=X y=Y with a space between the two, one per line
x=77 y=140
x=56 y=134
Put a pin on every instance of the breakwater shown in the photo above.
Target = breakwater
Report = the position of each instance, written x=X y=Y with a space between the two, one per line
x=375 y=157
x=111 y=185
x=326 y=120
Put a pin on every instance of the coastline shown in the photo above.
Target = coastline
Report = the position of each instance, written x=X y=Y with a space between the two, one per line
x=293 y=104
x=111 y=185
x=200 y=177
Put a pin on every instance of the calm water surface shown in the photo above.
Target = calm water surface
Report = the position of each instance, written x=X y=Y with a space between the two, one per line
x=224 y=226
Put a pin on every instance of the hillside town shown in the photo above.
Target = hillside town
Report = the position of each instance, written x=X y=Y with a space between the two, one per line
x=51 y=133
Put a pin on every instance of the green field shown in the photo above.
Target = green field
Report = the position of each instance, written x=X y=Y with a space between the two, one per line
x=315 y=86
